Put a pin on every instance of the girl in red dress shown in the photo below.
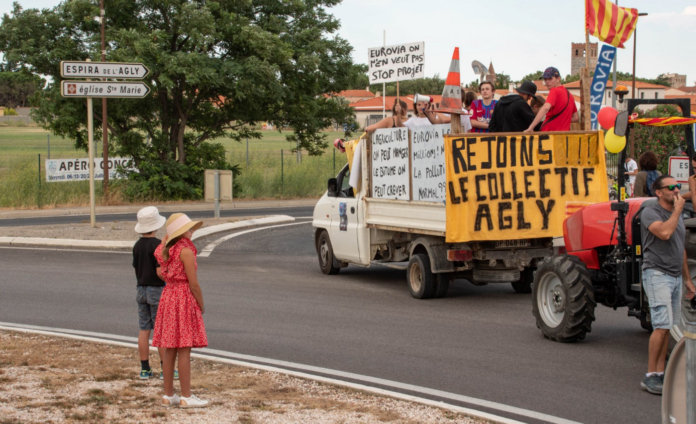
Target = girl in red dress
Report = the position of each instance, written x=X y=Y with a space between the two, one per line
x=179 y=325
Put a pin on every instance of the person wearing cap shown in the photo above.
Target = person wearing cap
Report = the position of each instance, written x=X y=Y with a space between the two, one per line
x=513 y=113
x=179 y=326
x=150 y=285
x=560 y=110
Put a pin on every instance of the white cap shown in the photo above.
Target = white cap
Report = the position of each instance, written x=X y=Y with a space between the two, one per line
x=149 y=220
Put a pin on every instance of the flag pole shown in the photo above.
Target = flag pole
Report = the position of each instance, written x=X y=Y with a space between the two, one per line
x=586 y=122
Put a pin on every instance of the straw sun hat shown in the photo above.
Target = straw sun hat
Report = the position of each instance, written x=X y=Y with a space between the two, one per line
x=178 y=223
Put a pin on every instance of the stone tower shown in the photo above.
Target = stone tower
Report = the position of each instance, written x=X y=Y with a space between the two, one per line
x=491 y=77
x=577 y=57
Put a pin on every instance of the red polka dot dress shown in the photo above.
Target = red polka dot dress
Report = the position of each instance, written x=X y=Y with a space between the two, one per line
x=179 y=320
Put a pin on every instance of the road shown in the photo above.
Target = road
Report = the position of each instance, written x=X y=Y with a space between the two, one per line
x=301 y=211
x=265 y=296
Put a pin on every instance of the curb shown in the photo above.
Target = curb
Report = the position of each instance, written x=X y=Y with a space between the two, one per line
x=173 y=207
x=472 y=413
x=128 y=244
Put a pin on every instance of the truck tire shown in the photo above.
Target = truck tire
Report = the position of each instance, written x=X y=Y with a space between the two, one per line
x=442 y=282
x=420 y=277
x=525 y=283
x=563 y=299
x=326 y=255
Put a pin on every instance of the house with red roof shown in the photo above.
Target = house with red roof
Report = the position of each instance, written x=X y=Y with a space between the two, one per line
x=644 y=90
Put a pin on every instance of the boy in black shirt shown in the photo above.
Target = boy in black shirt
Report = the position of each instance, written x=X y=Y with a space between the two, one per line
x=150 y=285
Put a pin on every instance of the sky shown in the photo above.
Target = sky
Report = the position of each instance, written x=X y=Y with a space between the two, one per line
x=518 y=36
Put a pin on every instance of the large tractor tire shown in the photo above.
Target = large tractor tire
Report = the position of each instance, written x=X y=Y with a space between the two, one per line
x=525 y=283
x=420 y=277
x=326 y=255
x=563 y=299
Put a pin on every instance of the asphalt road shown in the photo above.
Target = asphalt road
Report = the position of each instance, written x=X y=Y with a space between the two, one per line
x=302 y=211
x=265 y=296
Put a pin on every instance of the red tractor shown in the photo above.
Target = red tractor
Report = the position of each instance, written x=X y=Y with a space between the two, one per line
x=602 y=263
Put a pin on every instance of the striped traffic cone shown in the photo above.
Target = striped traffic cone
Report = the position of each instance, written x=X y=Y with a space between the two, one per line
x=452 y=94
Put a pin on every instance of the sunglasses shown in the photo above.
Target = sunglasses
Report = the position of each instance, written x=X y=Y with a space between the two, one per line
x=672 y=186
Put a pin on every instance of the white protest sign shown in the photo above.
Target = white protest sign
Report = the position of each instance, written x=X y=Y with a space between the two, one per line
x=396 y=63
x=428 y=162
x=78 y=169
x=679 y=168
x=390 y=164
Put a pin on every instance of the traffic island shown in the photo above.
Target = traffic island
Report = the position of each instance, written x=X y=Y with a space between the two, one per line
x=54 y=379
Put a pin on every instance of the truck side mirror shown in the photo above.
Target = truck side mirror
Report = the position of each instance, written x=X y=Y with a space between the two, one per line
x=332 y=187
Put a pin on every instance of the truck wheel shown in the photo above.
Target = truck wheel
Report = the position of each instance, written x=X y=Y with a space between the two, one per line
x=442 y=282
x=525 y=283
x=645 y=322
x=563 y=299
x=326 y=255
x=420 y=277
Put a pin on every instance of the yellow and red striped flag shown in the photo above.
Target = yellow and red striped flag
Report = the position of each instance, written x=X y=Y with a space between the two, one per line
x=610 y=23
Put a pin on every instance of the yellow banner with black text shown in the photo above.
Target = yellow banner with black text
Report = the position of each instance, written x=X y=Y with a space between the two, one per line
x=512 y=186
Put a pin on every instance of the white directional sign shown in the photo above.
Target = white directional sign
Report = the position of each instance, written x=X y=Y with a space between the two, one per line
x=117 y=70
x=110 y=89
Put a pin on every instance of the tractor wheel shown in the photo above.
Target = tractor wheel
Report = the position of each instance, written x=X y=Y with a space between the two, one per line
x=525 y=283
x=563 y=299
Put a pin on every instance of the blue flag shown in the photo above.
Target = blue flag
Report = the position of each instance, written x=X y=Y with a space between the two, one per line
x=599 y=81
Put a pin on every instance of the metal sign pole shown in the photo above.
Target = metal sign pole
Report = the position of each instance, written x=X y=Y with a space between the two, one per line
x=90 y=143
x=217 y=194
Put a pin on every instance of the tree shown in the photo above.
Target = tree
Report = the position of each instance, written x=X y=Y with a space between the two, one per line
x=428 y=85
x=502 y=81
x=663 y=141
x=533 y=76
x=473 y=86
x=216 y=69
x=17 y=86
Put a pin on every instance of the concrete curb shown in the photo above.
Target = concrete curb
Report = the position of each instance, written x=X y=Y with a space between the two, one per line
x=128 y=244
x=165 y=207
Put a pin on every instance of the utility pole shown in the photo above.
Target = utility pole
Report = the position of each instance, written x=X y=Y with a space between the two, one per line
x=613 y=85
x=105 y=126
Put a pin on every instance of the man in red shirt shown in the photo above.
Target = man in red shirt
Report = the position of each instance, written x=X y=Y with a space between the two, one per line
x=559 y=109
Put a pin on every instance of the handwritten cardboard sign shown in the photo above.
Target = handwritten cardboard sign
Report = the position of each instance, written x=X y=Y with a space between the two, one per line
x=509 y=187
x=390 y=164
x=428 y=162
x=396 y=63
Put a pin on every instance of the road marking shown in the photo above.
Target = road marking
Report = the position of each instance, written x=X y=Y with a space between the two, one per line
x=66 y=249
x=207 y=250
x=275 y=365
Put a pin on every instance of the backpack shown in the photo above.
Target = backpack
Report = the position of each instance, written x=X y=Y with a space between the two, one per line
x=650 y=179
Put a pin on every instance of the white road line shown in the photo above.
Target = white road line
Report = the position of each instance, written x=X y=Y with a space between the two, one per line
x=66 y=249
x=207 y=250
x=242 y=360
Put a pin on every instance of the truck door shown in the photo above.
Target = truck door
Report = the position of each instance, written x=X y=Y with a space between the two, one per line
x=345 y=220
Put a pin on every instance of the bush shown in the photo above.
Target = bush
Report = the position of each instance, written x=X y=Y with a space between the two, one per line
x=10 y=112
x=160 y=180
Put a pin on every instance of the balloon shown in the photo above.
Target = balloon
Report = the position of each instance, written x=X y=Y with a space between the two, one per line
x=613 y=143
x=606 y=117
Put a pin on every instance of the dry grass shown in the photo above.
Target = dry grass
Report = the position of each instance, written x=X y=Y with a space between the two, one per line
x=55 y=380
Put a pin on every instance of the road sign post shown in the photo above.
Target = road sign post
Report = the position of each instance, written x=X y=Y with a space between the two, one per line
x=101 y=89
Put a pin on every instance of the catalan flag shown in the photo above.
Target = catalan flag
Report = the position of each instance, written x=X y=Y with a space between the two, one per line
x=610 y=23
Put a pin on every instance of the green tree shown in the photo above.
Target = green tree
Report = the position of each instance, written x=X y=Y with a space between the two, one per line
x=533 y=76
x=428 y=85
x=17 y=86
x=217 y=68
x=473 y=86
x=663 y=141
x=502 y=81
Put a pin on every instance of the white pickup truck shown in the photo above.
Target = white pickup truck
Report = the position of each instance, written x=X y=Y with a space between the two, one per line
x=353 y=227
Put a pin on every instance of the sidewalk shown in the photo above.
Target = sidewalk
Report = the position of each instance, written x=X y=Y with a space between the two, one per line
x=163 y=207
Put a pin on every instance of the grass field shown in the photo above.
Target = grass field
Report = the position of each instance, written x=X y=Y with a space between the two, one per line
x=264 y=177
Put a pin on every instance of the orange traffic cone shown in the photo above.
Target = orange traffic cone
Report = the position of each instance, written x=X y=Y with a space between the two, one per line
x=452 y=94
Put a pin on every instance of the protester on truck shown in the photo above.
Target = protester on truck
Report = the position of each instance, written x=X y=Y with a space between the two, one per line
x=425 y=113
x=559 y=109
x=444 y=118
x=482 y=109
x=513 y=113
x=467 y=99
x=398 y=118
x=536 y=103
x=647 y=175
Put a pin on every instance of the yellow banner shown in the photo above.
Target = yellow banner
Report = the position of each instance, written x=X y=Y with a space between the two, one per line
x=510 y=186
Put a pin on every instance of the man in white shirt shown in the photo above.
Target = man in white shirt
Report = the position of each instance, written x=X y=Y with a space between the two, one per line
x=631 y=171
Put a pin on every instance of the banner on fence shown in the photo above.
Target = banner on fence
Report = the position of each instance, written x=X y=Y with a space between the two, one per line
x=396 y=63
x=428 y=162
x=517 y=187
x=78 y=169
x=599 y=81
x=390 y=167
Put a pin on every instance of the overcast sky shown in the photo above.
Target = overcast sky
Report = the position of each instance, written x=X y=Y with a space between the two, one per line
x=519 y=36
